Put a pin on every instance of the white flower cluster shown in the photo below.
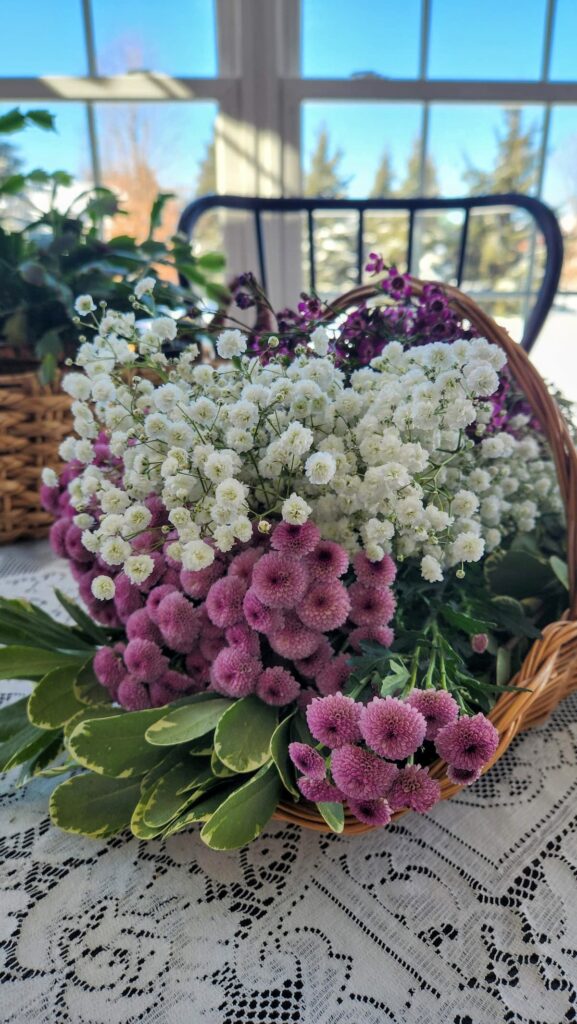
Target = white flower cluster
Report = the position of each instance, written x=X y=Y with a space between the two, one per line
x=396 y=459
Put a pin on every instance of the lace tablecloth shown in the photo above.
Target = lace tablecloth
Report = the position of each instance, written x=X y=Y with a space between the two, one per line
x=465 y=916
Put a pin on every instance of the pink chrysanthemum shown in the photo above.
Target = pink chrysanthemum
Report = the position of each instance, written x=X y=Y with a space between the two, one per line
x=139 y=626
x=171 y=578
x=437 y=707
x=57 y=537
x=325 y=606
x=319 y=791
x=161 y=694
x=240 y=635
x=235 y=673
x=304 y=698
x=468 y=743
x=479 y=643
x=259 y=616
x=463 y=776
x=375 y=574
x=133 y=695
x=158 y=571
x=127 y=597
x=178 y=622
x=155 y=597
x=371 y=606
x=332 y=677
x=211 y=644
x=383 y=635
x=279 y=581
x=294 y=640
x=197 y=584
x=311 y=666
x=371 y=812
x=413 y=787
x=179 y=682
x=277 y=686
x=105 y=613
x=392 y=728
x=308 y=761
x=224 y=601
x=327 y=560
x=360 y=774
x=74 y=547
x=243 y=564
x=144 y=660
x=198 y=668
x=109 y=667
x=334 y=720
x=297 y=540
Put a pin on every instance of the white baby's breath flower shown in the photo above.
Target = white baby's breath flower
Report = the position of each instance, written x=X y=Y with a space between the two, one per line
x=230 y=344
x=295 y=510
x=84 y=305
x=90 y=541
x=103 y=588
x=77 y=385
x=137 y=517
x=467 y=547
x=320 y=341
x=224 y=538
x=431 y=570
x=320 y=468
x=144 y=287
x=138 y=568
x=83 y=521
x=115 y=550
x=197 y=555
x=164 y=327
x=49 y=478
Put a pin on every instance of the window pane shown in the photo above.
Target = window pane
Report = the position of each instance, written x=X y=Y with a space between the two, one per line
x=341 y=39
x=563 y=63
x=555 y=352
x=492 y=40
x=177 y=39
x=560 y=185
x=148 y=148
x=38 y=39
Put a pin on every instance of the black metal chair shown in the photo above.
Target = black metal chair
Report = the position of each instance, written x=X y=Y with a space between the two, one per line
x=544 y=220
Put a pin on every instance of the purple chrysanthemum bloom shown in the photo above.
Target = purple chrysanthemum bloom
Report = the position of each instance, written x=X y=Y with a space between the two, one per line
x=334 y=720
x=127 y=597
x=468 y=743
x=374 y=574
x=198 y=668
x=371 y=812
x=224 y=601
x=479 y=643
x=155 y=597
x=235 y=673
x=144 y=660
x=319 y=791
x=360 y=774
x=383 y=635
x=109 y=667
x=57 y=537
x=296 y=540
x=259 y=616
x=463 y=776
x=73 y=544
x=392 y=728
x=161 y=694
x=139 y=626
x=371 y=606
x=197 y=584
x=333 y=676
x=243 y=564
x=308 y=761
x=437 y=707
x=211 y=644
x=133 y=695
x=279 y=581
x=294 y=641
x=311 y=666
x=327 y=560
x=277 y=686
x=179 y=682
x=178 y=621
x=240 y=635
x=413 y=787
x=325 y=606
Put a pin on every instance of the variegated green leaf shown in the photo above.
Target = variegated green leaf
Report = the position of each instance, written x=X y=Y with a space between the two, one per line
x=52 y=703
x=94 y=805
x=243 y=734
x=187 y=723
x=244 y=814
x=116 y=745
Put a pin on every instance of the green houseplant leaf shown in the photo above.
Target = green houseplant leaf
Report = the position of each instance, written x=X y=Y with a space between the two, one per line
x=279 y=745
x=53 y=702
x=243 y=734
x=94 y=805
x=243 y=815
x=195 y=719
x=116 y=745
x=334 y=815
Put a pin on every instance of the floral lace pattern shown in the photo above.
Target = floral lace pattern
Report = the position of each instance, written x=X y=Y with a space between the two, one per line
x=425 y=922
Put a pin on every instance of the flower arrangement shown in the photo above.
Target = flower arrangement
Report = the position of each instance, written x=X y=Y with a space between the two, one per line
x=305 y=573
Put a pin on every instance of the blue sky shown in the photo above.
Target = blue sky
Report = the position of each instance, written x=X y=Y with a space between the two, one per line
x=493 y=39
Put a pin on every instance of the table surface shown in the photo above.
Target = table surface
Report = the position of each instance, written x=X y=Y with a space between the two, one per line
x=463 y=916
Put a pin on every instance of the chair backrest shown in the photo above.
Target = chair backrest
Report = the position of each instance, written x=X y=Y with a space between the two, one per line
x=543 y=218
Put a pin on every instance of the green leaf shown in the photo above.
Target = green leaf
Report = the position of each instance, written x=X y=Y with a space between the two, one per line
x=510 y=617
x=279 y=745
x=503 y=666
x=466 y=623
x=166 y=798
x=32 y=662
x=13 y=121
x=116 y=745
x=48 y=368
x=156 y=211
x=89 y=713
x=38 y=765
x=218 y=769
x=200 y=776
x=94 y=805
x=187 y=723
x=86 y=624
x=517 y=573
x=23 y=744
x=53 y=702
x=560 y=569
x=42 y=119
x=212 y=261
x=12 y=185
x=396 y=679
x=243 y=734
x=13 y=718
x=333 y=814
x=87 y=689
x=244 y=814
x=202 y=810
x=300 y=730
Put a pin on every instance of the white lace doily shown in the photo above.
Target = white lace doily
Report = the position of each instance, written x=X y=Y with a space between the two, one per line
x=465 y=916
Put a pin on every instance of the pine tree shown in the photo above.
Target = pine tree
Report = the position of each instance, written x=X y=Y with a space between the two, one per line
x=383 y=185
x=324 y=178
x=208 y=234
x=335 y=244
x=411 y=183
x=206 y=177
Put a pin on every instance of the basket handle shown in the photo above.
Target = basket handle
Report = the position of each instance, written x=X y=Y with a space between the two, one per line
x=535 y=390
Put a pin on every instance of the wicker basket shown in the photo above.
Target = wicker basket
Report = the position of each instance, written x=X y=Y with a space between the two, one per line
x=549 y=671
x=34 y=419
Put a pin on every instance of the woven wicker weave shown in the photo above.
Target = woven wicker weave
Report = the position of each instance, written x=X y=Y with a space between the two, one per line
x=549 y=672
x=34 y=419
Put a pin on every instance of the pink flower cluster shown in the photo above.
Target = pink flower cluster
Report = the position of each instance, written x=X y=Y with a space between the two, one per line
x=366 y=742
x=262 y=621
